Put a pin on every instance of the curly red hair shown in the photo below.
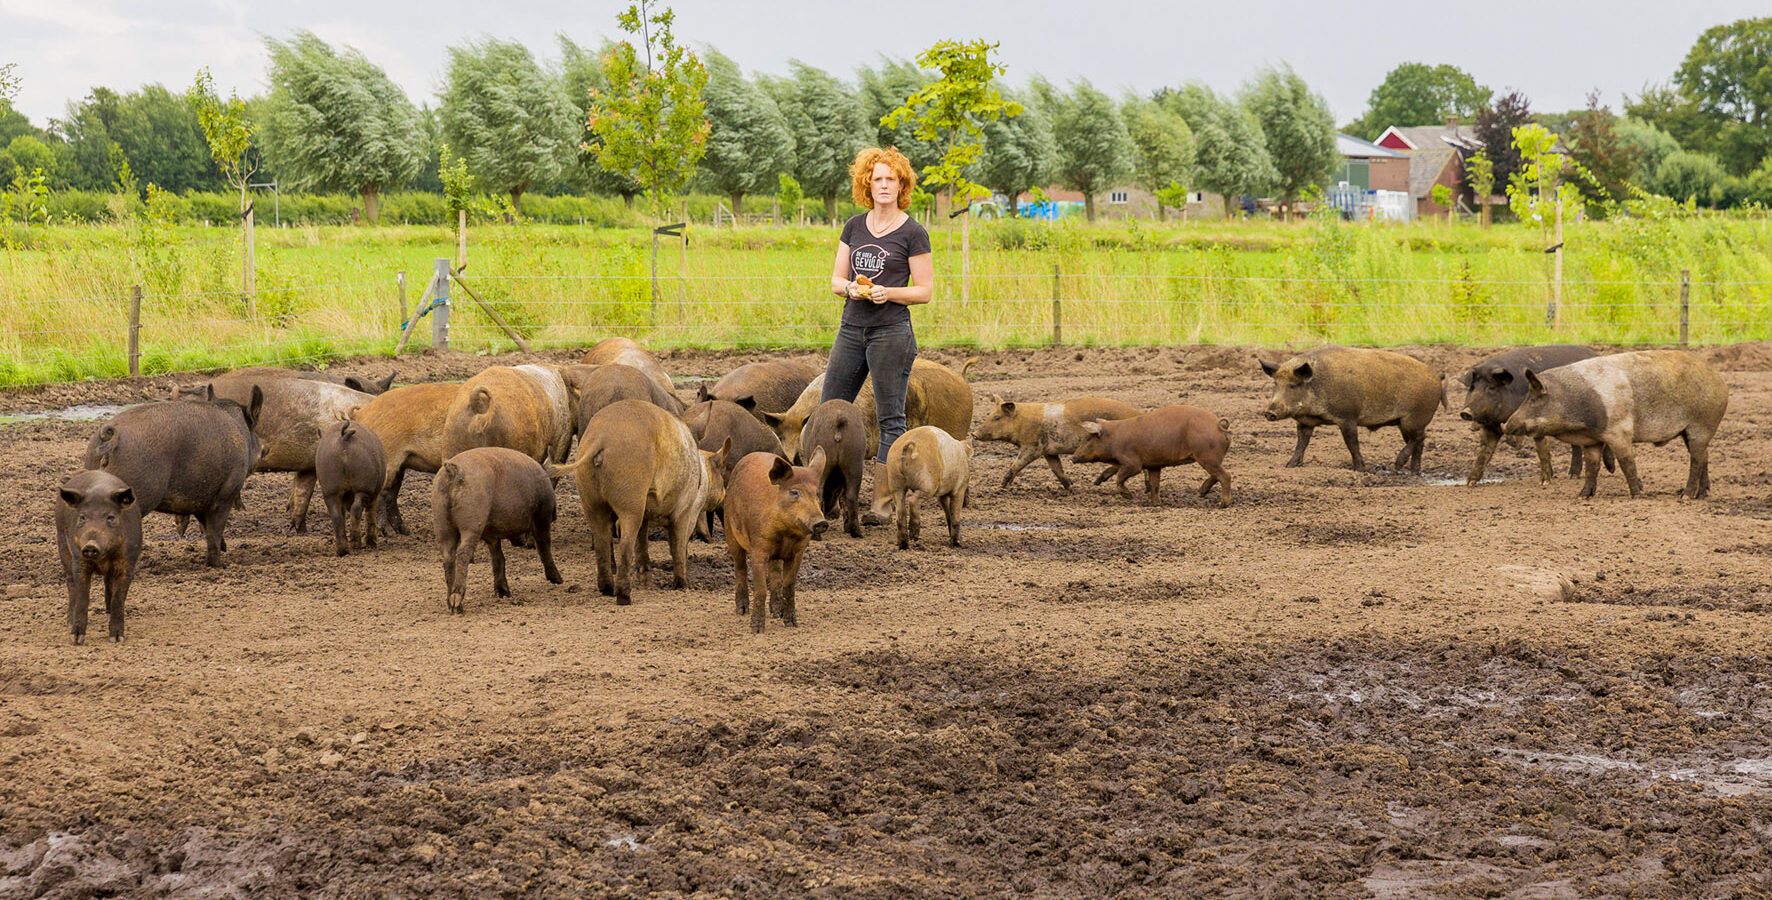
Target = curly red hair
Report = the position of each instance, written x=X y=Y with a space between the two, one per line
x=861 y=173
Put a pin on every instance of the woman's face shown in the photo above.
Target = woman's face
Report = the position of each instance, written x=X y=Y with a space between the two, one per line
x=885 y=187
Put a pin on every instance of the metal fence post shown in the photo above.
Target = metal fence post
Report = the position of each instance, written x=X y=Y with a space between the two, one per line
x=400 y=289
x=1057 y=310
x=1685 y=302
x=135 y=329
x=440 y=311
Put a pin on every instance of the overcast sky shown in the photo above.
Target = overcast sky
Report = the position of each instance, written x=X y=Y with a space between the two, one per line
x=1553 y=50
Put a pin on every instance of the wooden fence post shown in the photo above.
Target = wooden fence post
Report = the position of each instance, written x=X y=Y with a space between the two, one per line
x=440 y=305
x=251 y=267
x=1557 y=280
x=135 y=329
x=400 y=291
x=1685 y=302
x=1057 y=310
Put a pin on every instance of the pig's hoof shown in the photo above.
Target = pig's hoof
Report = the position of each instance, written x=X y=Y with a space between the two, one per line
x=344 y=551
x=79 y=638
x=872 y=518
x=1294 y=463
x=624 y=600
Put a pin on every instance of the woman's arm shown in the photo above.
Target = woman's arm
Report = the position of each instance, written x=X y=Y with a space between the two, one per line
x=840 y=271
x=922 y=285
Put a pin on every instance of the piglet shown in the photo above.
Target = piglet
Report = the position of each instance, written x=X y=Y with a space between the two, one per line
x=490 y=494
x=772 y=512
x=1163 y=437
x=98 y=531
x=927 y=463
x=350 y=465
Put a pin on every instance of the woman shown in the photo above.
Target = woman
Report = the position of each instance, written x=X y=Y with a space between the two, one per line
x=891 y=250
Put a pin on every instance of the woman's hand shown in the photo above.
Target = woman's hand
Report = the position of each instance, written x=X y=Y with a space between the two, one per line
x=857 y=291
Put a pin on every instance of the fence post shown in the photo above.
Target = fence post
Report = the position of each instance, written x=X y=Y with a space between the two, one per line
x=400 y=287
x=440 y=309
x=1685 y=302
x=1057 y=310
x=135 y=329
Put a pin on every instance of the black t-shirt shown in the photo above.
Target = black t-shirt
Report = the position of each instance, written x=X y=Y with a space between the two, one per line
x=885 y=261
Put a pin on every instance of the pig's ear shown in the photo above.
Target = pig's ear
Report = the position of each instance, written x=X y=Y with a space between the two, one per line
x=1007 y=406
x=253 y=407
x=72 y=497
x=1533 y=383
x=724 y=453
x=774 y=419
x=1502 y=377
x=1092 y=427
x=702 y=394
x=124 y=498
x=1268 y=368
x=208 y=392
x=480 y=401
x=748 y=402
x=817 y=463
x=387 y=382
x=1303 y=372
x=1468 y=378
x=356 y=383
x=780 y=470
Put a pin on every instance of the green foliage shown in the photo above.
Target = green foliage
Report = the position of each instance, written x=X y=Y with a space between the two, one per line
x=1606 y=162
x=1668 y=109
x=8 y=82
x=787 y=190
x=1297 y=130
x=1418 y=94
x=1646 y=142
x=882 y=92
x=1019 y=152
x=459 y=187
x=510 y=120
x=748 y=141
x=1163 y=150
x=1728 y=74
x=951 y=112
x=1533 y=191
x=582 y=72
x=1479 y=173
x=825 y=120
x=1495 y=131
x=1230 y=153
x=228 y=129
x=1441 y=195
x=651 y=121
x=1687 y=176
x=26 y=154
x=1094 y=151
x=336 y=122
x=157 y=131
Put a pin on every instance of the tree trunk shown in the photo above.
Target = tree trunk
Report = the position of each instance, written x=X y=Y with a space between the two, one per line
x=1160 y=211
x=1014 y=210
x=371 y=209
x=737 y=199
x=516 y=202
x=830 y=208
x=1089 y=206
x=627 y=200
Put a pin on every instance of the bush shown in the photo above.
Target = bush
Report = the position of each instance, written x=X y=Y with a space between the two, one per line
x=1686 y=175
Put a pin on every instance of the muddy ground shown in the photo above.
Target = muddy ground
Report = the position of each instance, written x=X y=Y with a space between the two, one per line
x=1345 y=685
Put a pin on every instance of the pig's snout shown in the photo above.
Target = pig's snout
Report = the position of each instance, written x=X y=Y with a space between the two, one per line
x=1466 y=415
x=89 y=550
x=819 y=526
x=1272 y=416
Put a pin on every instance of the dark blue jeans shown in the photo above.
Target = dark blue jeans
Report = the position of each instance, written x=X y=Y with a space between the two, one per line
x=886 y=352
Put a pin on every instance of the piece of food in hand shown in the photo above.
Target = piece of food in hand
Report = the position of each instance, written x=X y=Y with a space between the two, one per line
x=864 y=287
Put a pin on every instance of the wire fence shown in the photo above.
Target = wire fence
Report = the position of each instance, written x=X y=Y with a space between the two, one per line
x=72 y=338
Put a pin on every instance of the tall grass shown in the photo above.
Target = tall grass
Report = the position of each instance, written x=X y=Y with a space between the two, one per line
x=326 y=291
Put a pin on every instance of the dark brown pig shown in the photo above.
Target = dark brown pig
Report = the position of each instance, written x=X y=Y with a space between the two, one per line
x=184 y=457
x=1615 y=402
x=522 y=408
x=1494 y=389
x=627 y=352
x=928 y=464
x=490 y=494
x=295 y=409
x=770 y=386
x=351 y=466
x=591 y=388
x=409 y=421
x=354 y=382
x=1163 y=437
x=723 y=420
x=638 y=463
x=838 y=428
x=1048 y=429
x=936 y=395
x=1353 y=388
x=772 y=512
x=98 y=531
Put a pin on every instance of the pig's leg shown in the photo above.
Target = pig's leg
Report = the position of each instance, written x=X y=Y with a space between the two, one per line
x=1627 y=463
x=759 y=596
x=790 y=576
x=1153 y=486
x=950 y=507
x=336 y=512
x=448 y=540
x=1127 y=470
x=181 y=521
x=301 y=493
x=215 y=523
x=544 y=547
x=1591 y=478
x=1413 y=441
x=468 y=541
x=116 y=588
x=1107 y=473
x=741 y=595
x=1698 y=472
x=500 y=586
x=1542 y=446
x=1304 y=440
x=914 y=501
x=1350 y=434
x=1057 y=467
x=904 y=520
x=387 y=510
x=1027 y=456
x=681 y=526
x=633 y=532
x=603 y=541
x=852 y=504
x=1215 y=474
x=1574 y=461
x=368 y=513
x=79 y=598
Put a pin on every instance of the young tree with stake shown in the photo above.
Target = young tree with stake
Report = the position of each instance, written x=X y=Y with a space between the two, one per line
x=229 y=130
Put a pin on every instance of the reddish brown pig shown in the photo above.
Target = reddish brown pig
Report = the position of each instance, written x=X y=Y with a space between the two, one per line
x=490 y=494
x=928 y=464
x=522 y=408
x=627 y=352
x=638 y=463
x=772 y=512
x=770 y=386
x=350 y=466
x=1048 y=429
x=593 y=387
x=409 y=422
x=295 y=409
x=838 y=428
x=1168 y=436
x=98 y=531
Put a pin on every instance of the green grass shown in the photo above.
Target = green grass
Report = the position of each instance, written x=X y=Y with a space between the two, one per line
x=329 y=291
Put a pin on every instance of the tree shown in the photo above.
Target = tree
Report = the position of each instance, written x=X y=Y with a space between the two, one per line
x=1728 y=73
x=1674 y=114
x=1163 y=150
x=1418 y=94
x=1606 y=161
x=1495 y=131
x=8 y=82
x=1297 y=130
x=951 y=112
x=1230 y=154
x=1019 y=152
x=157 y=131
x=228 y=129
x=789 y=194
x=886 y=90
x=651 y=123
x=336 y=122
x=1650 y=144
x=582 y=72
x=748 y=143
x=1689 y=176
x=1094 y=151
x=828 y=127
x=1534 y=190
x=1479 y=173
x=510 y=120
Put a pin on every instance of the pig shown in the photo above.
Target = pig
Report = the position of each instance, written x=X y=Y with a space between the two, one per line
x=1163 y=437
x=1048 y=429
x=591 y=388
x=354 y=382
x=1495 y=387
x=409 y=422
x=1613 y=402
x=351 y=466
x=937 y=395
x=184 y=457
x=760 y=387
x=490 y=494
x=98 y=531
x=722 y=420
x=1354 y=388
x=295 y=409
x=838 y=428
x=638 y=462
x=772 y=512
x=927 y=463
x=629 y=353
x=522 y=408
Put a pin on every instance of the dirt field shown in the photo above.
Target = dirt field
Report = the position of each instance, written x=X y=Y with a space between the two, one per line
x=1344 y=685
